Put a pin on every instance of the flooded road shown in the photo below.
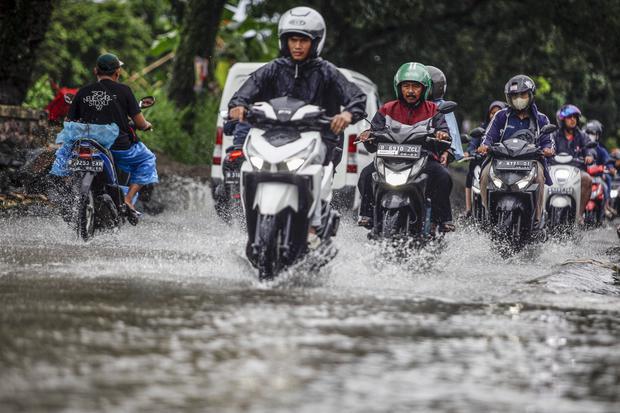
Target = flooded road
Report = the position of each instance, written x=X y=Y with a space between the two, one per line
x=168 y=316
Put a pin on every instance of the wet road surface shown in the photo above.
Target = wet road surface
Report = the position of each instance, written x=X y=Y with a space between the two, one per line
x=168 y=316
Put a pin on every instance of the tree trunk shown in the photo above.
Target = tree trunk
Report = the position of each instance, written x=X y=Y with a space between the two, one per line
x=201 y=23
x=23 y=24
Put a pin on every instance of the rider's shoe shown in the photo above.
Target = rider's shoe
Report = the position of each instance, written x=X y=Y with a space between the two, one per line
x=133 y=216
x=365 y=222
x=447 y=226
x=313 y=241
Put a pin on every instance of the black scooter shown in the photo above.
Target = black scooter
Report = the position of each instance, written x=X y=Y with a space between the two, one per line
x=512 y=190
x=401 y=207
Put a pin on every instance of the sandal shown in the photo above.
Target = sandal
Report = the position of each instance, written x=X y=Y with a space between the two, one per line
x=447 y=226
x=365 y=222
x=133 y=215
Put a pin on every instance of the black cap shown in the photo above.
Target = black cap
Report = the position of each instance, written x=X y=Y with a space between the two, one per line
x=108 y=62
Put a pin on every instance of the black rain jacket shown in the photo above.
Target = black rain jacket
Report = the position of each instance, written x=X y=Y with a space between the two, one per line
x=315 y=81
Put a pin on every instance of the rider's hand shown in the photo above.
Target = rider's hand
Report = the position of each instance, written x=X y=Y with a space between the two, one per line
x=443 y=159
x=465 y=154
x=442 y=136
x=612 y=170
x=548 y=152
x=341 y=121
x=482 y=149
x=365 y=136
x=237 y=113
x=588 y=160
x=148 y=126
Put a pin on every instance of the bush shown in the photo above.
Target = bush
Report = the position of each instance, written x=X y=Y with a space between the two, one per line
x=169 y=136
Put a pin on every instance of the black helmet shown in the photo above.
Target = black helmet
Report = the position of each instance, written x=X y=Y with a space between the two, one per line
x=594 y=129
x=439 y=82
x=519 y=84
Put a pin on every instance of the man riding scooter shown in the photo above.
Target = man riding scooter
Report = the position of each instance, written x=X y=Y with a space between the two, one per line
x=521 y=114
x=594 y=131
x=300 y=73
x=412 y=84
x=571 y=140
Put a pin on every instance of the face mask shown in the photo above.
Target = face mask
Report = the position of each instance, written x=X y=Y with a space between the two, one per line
x=520 y=103
x=593 y=137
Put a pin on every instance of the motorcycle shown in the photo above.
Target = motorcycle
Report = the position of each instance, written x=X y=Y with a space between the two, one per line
x=563 y=198
x=401 y=207
x=98 y=188
x=228 y=194
x=477 y=209
x=512 y=190
x=595 y=208
x=285 y=184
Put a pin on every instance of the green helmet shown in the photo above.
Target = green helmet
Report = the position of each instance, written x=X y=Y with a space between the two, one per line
x=413 y=72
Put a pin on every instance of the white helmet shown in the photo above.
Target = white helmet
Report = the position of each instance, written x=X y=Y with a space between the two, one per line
x=304 y=21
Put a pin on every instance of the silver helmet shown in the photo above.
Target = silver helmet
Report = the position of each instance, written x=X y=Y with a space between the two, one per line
x=304 y=21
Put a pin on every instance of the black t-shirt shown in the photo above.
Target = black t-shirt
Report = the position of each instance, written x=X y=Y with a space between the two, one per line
x=106 y=102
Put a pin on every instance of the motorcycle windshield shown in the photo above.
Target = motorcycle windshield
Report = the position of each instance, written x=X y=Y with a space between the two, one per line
x=401 y=132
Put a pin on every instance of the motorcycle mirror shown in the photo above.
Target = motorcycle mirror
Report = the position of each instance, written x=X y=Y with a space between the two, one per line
x=465 y=138
x=147 y=102
x=69 y=98
x=447 y=106
x=548 y=129
x=477 y=133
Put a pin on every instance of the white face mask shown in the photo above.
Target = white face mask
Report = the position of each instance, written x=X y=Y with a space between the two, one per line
x=593 y=137
x=520 y=103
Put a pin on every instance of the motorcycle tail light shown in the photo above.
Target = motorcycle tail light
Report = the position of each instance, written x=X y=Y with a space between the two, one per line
x=85 y=152
x=234 y=155
x=596 y=170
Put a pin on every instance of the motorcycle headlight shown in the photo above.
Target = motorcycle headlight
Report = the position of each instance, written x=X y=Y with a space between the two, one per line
x=495 y=179
x=396 y=178
x=296 y=161
x=562 y=175
x=525 y=181
x=254 y=156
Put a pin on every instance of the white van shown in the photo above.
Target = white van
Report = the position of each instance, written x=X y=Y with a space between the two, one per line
x=354 y=157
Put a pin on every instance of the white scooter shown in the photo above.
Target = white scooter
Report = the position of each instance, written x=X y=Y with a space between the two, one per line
x=285 y=186
x=563 y=198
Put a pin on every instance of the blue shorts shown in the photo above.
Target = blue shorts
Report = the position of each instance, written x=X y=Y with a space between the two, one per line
x=138 y=161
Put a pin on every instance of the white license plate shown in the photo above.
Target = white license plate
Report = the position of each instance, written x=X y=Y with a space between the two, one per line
x=394 y=150
x=512 y=165
x=89 y=165
x=562 y=191
x=232 y=176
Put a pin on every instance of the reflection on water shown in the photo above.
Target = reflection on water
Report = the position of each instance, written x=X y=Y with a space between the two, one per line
x=169 y=316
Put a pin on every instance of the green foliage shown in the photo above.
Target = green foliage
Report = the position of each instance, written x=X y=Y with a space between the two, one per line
x=82 y=30
x=168 y=135
x=39 y=94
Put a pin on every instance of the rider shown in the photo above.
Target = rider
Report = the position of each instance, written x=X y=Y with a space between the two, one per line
x=412 y=84
x=494 y=107
x=440 y=84
x=594 y=131
x=300 y=73
x=108 y=101
x=520 y=114
x=571 y=140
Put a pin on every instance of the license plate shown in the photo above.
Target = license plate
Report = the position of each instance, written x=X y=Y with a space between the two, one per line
x=89 y=165
x=232 y=176
x=513 y=165
x=562 y=191
x=394 y=150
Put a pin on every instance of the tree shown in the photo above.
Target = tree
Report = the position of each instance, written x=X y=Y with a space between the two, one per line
x=23 y=25
x=200 y=26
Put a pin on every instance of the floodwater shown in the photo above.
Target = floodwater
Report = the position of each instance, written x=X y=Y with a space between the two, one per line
x=169 y=316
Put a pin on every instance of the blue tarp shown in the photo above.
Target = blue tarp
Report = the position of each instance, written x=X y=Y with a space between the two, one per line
x=73 y=131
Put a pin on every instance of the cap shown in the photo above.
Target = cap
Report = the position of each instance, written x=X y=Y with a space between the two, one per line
x=108 y=62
